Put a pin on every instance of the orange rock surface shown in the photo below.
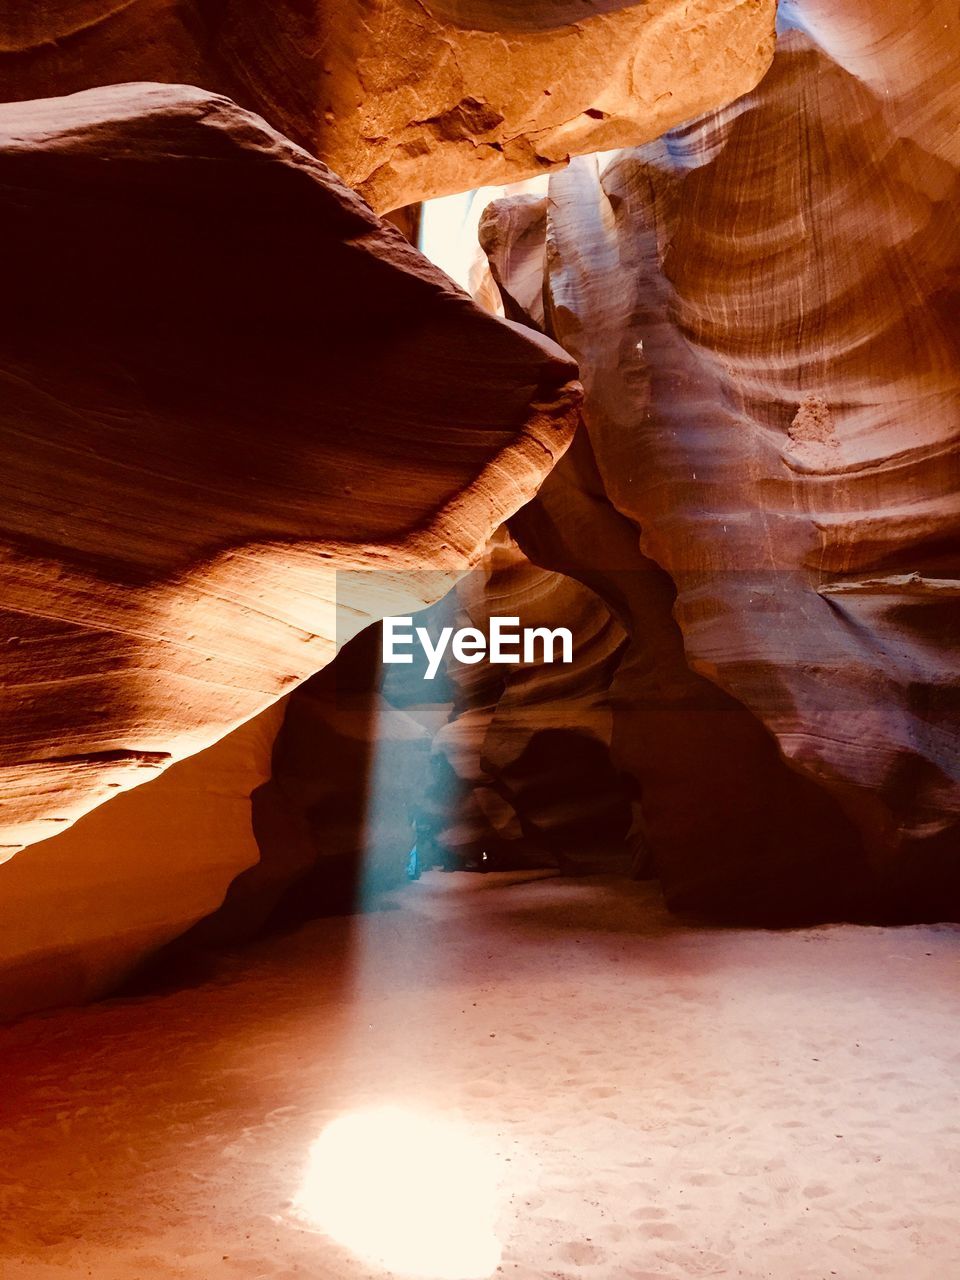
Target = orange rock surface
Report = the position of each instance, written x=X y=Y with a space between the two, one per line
x=406 y=99
x=225 y=382
x=764 y=306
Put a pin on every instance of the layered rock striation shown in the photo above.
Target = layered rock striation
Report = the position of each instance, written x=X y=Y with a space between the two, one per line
x=522 y=771
x=82 y=910
x=225 y=383
x=764 y=306
x=405 y=99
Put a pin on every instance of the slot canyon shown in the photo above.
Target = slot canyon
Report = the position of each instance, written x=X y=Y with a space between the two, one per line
x=340 y=950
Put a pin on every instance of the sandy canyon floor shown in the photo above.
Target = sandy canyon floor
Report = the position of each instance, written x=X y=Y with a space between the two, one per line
x=653 y=1100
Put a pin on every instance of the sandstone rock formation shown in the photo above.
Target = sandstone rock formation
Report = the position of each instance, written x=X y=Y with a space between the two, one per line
x=80 y=911
x=417 y=100
x=407 y=99
x=225 y=382
x=334 y=821
x=241 y=417
x=765 y=308
x=522 y=770
x=511 y=761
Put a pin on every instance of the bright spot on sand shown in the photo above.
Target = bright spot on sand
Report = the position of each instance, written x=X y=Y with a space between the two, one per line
x=414 y=1194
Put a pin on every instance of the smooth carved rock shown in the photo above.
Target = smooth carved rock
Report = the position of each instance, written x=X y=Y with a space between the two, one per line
x=223 y=381
x=334 y=822
x=406 y=99
x=523 y=768
x=765 y=309
x=80 y=911
x=717 y=815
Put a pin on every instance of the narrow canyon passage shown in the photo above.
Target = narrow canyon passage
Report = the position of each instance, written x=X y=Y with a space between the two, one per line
x=650 y=1099
x=480 y=640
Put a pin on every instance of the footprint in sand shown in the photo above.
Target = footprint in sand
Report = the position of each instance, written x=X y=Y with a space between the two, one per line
x=648 y=1213
x=582 y=1253
x=704 y=1179
x=816 y=1190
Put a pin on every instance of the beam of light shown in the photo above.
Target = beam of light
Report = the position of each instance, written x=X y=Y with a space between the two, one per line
x=449 y=231
x=413 y=1194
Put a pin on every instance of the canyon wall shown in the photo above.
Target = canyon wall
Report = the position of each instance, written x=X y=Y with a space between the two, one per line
x=404 y=99
x=764 y=307
x=80 y=910
x=522 y=770
x=241 y=417
x=199 y=441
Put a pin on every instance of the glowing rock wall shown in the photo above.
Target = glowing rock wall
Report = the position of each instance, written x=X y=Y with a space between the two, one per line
x=81 y=910
x=764 y=306
x=405 y=99
x=232 y=382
